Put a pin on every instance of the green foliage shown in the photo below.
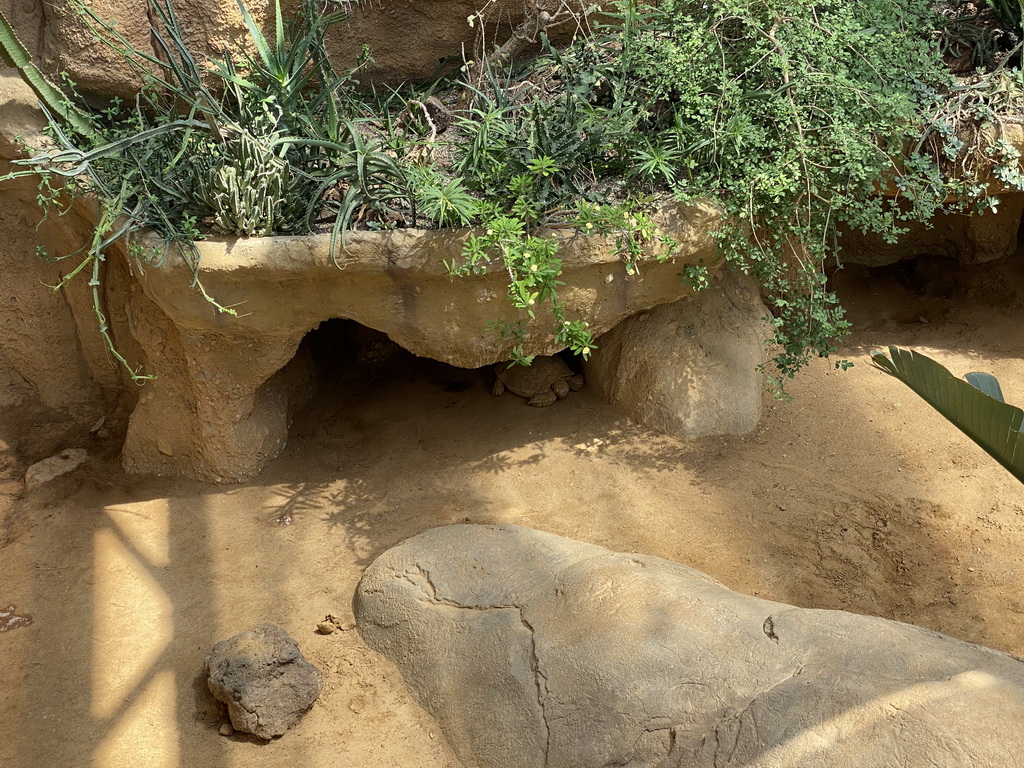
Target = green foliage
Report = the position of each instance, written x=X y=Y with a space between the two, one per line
x=790 y=115
x=965 y=138
x=636 y=236
x=446 y=202
x=974 y=406
x=250 y=189
x=533 y=268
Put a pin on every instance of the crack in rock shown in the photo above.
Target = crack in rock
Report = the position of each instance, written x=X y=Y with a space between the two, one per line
x=542 y=689
x=426 y=584
x=429 y=589
x=675 y=749
x=738 y=717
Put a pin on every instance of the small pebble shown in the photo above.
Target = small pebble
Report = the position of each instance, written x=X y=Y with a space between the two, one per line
x=326 y=627
x=227 y=730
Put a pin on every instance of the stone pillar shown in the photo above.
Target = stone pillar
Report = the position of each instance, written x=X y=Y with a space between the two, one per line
x=215 y=411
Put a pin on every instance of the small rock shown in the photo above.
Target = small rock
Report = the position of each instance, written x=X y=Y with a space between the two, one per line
x=264 y=679
x=164 y=446
x=44 y=471
x=227 y=730
x=326 y=627
x=439 y=114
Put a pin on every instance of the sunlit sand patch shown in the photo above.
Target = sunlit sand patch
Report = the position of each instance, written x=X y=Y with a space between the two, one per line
x=146 y=733
x=132 y=623
x=145 y=526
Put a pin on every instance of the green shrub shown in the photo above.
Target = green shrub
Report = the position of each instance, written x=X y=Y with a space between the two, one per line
x=791 y=115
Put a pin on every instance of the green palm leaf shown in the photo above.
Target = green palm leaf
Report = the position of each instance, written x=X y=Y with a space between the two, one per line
x=991 y=423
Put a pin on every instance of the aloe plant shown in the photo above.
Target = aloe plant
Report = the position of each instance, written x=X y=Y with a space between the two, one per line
x=974 y=404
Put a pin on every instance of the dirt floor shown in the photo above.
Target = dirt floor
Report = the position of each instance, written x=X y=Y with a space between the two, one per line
x=855 y=496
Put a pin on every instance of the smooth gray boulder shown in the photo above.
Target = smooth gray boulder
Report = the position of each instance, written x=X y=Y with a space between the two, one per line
x=534 y=650
x=264 y=679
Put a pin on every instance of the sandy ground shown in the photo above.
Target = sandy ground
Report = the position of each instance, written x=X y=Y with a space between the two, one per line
x=854 y=496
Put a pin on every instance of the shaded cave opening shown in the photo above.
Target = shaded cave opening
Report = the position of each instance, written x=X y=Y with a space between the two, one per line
x=347 y=368
x=345 y=374
x=345 y=353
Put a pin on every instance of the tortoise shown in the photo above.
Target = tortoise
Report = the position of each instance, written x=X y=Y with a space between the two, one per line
x=542 y=382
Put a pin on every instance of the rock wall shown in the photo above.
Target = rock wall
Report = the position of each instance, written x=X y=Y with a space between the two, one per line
x=408 y=39
x=969 y=239
x=41 y=329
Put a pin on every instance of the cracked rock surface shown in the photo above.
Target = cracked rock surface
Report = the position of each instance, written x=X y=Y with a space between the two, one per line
x=532 y=650
x=264 y=679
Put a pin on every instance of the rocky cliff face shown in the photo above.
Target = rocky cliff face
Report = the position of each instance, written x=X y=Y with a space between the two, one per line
x=50 y=359
x=408 y=39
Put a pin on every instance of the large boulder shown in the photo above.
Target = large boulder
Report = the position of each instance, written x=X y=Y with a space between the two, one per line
x=689 y=368
x=535 y=650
